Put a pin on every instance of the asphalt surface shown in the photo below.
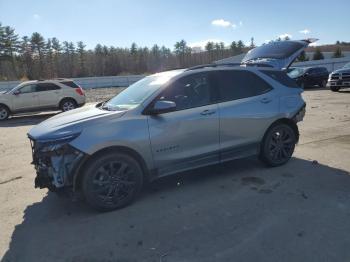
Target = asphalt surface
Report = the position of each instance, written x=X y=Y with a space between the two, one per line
x=239 y=211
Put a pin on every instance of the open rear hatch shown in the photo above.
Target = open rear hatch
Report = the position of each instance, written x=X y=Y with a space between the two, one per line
x=278 y=54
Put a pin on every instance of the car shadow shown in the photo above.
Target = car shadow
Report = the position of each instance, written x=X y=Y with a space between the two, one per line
x=238 y=211
x=26 y=119
x=345 y=91
x=314 y=88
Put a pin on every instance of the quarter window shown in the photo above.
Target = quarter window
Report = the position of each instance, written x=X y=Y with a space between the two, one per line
x=188 y=92
x=238 y=84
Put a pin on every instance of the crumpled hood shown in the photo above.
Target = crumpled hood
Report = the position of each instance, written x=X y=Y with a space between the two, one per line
x=342 y=70
x=71 y=122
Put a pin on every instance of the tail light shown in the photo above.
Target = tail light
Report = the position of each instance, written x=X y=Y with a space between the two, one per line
x=80 y=91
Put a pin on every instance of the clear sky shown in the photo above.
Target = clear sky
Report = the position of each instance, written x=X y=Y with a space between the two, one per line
x=147 y=22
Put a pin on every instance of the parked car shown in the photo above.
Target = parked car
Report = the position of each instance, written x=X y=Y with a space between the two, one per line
x=41 y=95
x=171 y=122
x=339 y=78
x=309 y=76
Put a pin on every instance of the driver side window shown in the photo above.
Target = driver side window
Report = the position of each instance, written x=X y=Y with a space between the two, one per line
x=27 y=89
x=188 y=92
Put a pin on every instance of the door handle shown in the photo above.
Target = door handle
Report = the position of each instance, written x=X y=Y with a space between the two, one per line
x=266 y=100
x=207 y=112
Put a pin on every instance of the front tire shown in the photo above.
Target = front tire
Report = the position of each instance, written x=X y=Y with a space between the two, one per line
x=335 y=88
x=278 y=145
x=4 y=113
x=323 y=84
x=112 y=181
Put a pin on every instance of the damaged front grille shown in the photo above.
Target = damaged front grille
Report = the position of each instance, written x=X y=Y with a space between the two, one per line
x=55 y=163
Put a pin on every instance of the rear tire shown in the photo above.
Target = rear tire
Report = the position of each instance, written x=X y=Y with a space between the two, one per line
x=112 y=181
x=335 y=88
x=278 y=145
x=4 y=112
x=68 y=104
x=323 y=84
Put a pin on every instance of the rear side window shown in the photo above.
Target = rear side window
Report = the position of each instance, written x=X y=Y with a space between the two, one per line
x=239 y=84
x=282 y=78
x=46 y=87
x=70 y=84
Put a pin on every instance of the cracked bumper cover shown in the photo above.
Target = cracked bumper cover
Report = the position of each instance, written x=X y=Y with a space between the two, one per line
x=55 y=163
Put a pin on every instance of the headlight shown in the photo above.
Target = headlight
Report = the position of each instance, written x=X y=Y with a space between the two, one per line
x=50 y=145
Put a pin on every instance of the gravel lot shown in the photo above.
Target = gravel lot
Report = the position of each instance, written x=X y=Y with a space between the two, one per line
x=240 y=211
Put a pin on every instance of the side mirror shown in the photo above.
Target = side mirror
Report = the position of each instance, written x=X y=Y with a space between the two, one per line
x=16 y=93
x=162 y=107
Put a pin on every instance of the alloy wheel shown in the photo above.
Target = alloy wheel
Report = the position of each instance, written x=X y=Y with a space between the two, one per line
x=68 y=105
x=281 y=145
x=113 y=182
x=3 y=113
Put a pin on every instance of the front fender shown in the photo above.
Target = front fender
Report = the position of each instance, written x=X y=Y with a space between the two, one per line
x=131 y=132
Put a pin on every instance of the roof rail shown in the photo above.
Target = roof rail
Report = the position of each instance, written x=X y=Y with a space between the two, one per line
x=212 y=65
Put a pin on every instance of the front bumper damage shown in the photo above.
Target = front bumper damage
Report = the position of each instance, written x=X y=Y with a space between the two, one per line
x=56 y=164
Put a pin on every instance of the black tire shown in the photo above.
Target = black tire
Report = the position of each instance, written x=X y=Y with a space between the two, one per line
x=4 y=112
x=335 y=88
x=112 y=181
x=278 y=145
x=323 y=84
x=68 y=104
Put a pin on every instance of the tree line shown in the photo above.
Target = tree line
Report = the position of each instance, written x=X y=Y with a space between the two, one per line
x=34 y=57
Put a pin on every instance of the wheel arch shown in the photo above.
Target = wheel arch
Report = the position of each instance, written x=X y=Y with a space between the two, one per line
x=79 y=173
x=4 y=105
x=286 y=121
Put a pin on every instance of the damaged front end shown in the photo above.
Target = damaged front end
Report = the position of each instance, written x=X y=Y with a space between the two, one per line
x=56 y=162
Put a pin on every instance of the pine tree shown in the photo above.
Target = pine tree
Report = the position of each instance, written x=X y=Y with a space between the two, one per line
x=82 y=58
x=318 y=55
x=302 y=57
x=252 y=45
x=337 y=53
x=10 y=46
x=233 y=48
x=38 y=47
x=240 y=46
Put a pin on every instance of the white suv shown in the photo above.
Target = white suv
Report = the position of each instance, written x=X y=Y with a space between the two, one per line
x=41 y=95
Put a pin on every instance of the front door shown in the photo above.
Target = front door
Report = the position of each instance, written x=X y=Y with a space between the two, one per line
x=26 y=98
x=189 y=136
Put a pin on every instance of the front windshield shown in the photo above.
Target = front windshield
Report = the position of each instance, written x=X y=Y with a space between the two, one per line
x=296 y=72
x=135 y=94
x=346 y=65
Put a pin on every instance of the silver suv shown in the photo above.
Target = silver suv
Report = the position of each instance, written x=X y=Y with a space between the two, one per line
x=171 y=122
x=41 y=95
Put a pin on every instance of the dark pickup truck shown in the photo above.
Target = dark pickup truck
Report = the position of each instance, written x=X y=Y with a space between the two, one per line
x=339 y=78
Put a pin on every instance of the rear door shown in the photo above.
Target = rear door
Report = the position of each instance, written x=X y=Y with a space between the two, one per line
x=189 y=136
x=26 y=98
x=49 y=94
x=247 y=107
x=278 y=54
